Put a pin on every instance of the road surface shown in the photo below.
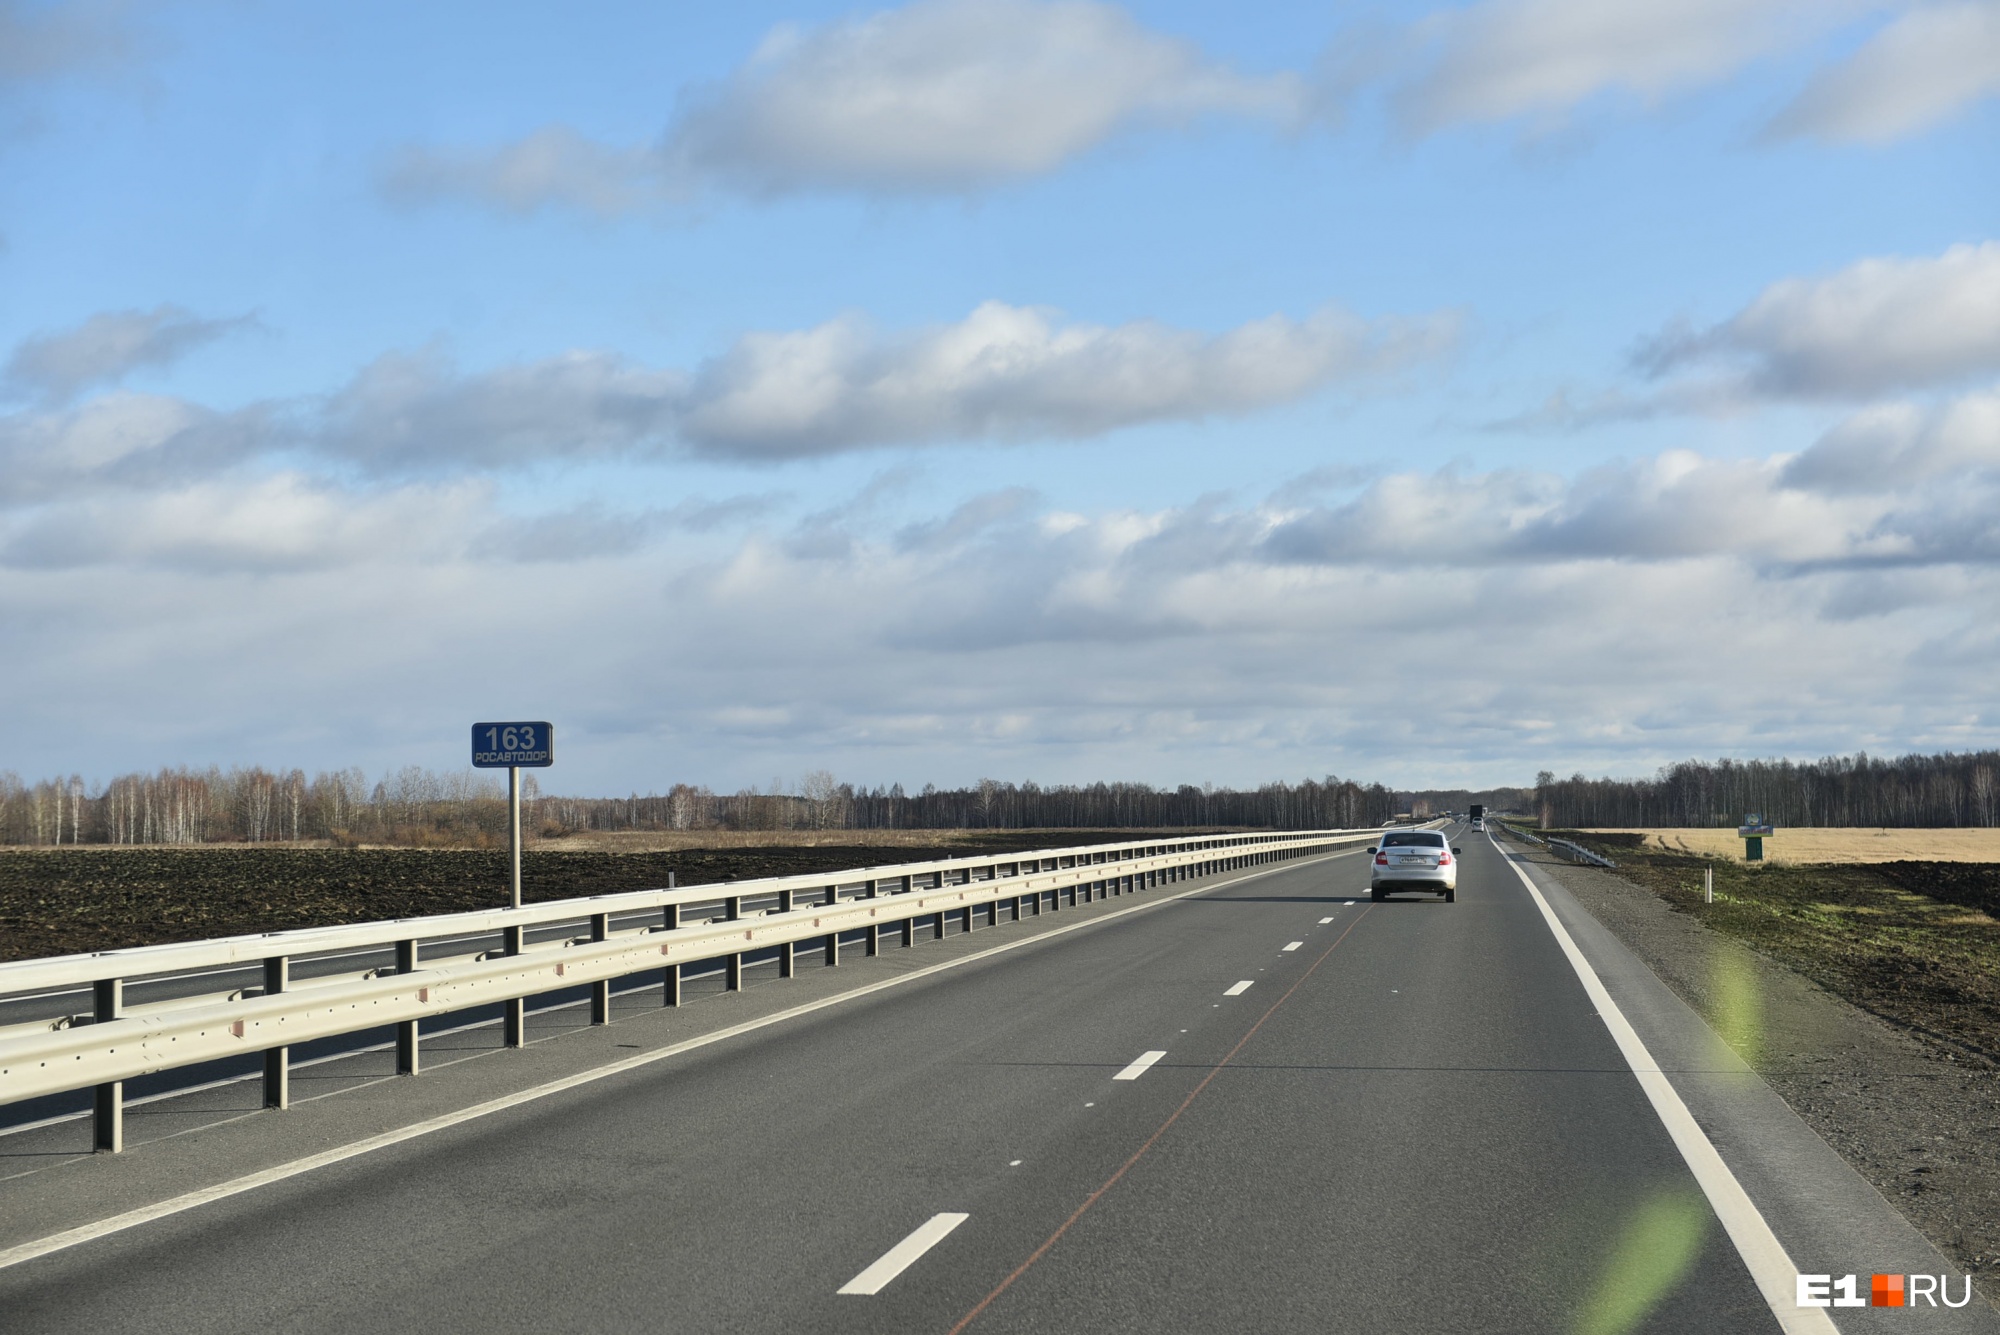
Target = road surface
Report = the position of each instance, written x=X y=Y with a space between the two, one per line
x=1265 y=1105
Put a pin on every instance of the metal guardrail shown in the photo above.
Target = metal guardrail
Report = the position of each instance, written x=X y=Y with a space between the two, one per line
x=1578 y=853
x=1575 y=852
x=114 y=1043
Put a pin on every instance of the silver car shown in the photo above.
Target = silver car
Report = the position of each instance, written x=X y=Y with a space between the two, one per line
x=1414 y=860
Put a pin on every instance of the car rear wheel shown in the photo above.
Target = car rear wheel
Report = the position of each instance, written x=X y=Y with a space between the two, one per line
x=1451 y=894
x=1375 y=893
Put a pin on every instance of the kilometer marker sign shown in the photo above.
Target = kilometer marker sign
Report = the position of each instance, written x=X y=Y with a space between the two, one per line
x=513 y=745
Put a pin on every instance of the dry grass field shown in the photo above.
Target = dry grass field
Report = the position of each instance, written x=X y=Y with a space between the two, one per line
x=1826 y=847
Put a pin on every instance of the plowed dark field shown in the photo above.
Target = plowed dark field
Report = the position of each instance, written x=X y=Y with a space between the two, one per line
x=68 y=901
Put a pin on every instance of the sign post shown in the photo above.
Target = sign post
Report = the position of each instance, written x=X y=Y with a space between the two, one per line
x=1753 y=832
x=513 y=747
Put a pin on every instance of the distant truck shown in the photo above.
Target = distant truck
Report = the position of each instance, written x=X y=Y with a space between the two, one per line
x=1477 y=813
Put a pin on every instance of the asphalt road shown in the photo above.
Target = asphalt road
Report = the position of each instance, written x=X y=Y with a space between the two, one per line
x=1412 y=1119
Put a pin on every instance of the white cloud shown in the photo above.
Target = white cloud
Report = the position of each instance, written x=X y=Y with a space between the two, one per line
x=1896 y=444
x=1003 y=373
x=1506 y=58
x=108 y=347
x=553 y=166
x=1676 y=506
x=1878 y=326
x=261 y=526
x=416 y=412
x=954 y=95
x=1010 y=372
x=1920 y=70
x=124 y=441
x=1666 y=605
x=938 y=96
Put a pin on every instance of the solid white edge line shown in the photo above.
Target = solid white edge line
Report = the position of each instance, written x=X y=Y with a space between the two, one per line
x=82 y=1233
x=1238 y=989
x=903 y=1255
x=1770 y=1266
x=1140 y=1065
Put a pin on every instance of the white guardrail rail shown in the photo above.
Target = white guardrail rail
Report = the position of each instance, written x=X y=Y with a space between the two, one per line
x=113 y=1042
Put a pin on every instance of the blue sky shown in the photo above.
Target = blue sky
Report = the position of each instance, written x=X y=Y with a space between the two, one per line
x=1426 y=393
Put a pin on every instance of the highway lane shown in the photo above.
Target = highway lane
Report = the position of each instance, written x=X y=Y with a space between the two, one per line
x=1421 y=1125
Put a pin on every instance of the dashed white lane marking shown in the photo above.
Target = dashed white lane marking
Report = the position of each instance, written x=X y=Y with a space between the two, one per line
x=1240 y=988
x=904 y=1254
x=1293 y=946
x=1139 y=1065
x=1324 y=921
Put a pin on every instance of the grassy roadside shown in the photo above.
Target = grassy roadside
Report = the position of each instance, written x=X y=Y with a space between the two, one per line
x=1867 y=933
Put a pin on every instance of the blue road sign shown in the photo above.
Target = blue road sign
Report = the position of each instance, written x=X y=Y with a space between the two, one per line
x=507 y=745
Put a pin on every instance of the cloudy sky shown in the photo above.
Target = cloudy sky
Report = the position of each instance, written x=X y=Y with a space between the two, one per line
x=999 y=388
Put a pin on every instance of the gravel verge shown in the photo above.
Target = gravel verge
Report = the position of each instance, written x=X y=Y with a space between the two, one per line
x=1921 y=1123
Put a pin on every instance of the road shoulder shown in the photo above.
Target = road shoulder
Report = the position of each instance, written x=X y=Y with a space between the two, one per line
x=1869 y=1151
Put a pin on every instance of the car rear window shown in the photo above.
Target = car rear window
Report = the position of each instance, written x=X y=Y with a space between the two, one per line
x=1423 y=839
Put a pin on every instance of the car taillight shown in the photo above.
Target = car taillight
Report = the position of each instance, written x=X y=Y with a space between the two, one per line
x=1444 y=859
x=1381 y=859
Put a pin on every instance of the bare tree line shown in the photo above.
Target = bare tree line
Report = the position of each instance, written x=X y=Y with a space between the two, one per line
x=1911 y=791
x=423 y=807
x=823 y=802
x=256 y=805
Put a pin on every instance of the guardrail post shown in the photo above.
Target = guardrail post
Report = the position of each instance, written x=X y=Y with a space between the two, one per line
x=670 y=919
x=408 y=1057
x=108 y=1104
x=992 y=912
x=600 y=991
x=277 y=1061
x=833 y=937
x=909 y=924
x=874 y=928
x=785 y=950
x=513 y=1013
x=732 y=964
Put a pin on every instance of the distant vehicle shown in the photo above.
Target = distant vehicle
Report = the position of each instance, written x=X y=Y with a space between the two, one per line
x=1478 y=812
x=1414 y=860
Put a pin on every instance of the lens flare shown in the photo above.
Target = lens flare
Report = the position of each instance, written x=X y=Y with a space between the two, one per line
x=1738 y=1003
x=1654 y=1251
